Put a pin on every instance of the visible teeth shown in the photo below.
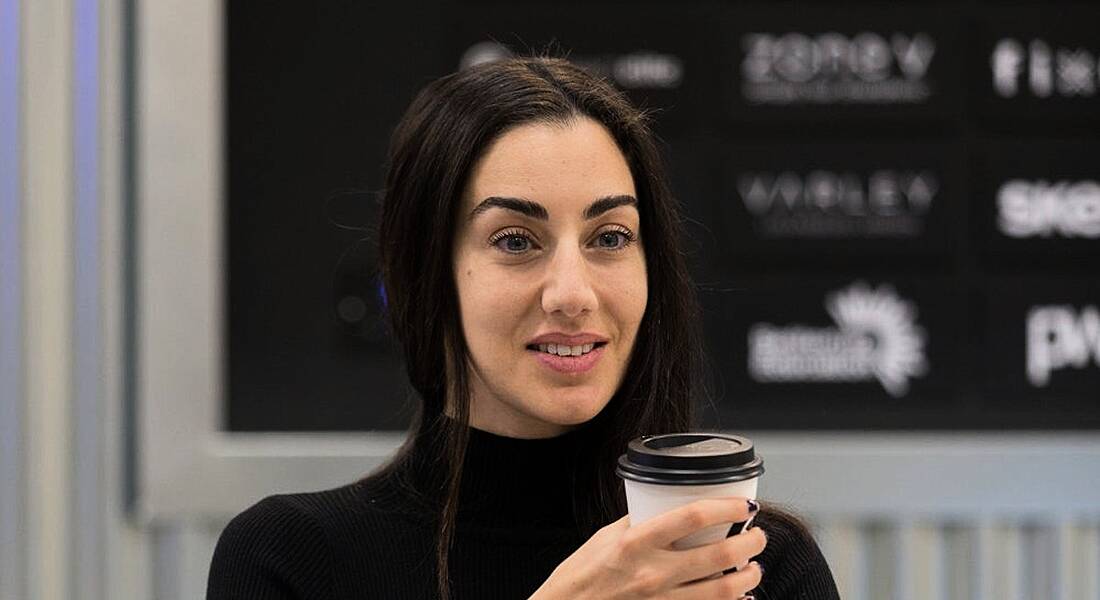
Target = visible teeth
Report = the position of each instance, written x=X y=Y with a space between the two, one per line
x=563 y=350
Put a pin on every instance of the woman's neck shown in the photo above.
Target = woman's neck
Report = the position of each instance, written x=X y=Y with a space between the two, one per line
x=506 y=481
x=510 y=423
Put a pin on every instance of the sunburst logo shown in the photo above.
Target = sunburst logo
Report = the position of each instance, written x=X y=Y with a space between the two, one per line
x=891 y=323
x=876 y=338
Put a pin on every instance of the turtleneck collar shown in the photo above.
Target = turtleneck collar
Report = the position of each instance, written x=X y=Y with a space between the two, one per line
x=506 y=481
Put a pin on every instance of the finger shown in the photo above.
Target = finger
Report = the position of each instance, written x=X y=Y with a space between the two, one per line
x=742 y=527
x=733 y=585
x=735 y=551
x=680 y=522
x=621 y=525
x=616 y=529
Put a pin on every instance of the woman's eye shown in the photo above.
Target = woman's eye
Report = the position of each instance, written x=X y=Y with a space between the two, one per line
x=613 y=240
x=513 y=243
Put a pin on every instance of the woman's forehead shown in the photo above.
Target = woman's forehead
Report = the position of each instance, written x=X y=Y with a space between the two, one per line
x=563 y=167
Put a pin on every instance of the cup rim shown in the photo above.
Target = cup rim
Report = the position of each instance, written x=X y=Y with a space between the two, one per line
x=643 y=462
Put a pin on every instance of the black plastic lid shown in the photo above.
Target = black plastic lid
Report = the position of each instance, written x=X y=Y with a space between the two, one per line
x=690 y=459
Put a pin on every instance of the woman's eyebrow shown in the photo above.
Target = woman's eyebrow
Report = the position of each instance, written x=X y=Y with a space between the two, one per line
x=520 y=205
x=538 y=211
x=603 y=205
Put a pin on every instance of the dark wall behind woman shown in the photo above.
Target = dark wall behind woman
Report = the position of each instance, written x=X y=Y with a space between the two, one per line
x=895 y=209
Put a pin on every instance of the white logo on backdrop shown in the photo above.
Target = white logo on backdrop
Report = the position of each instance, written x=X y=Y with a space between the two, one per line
x=867 y=68
x=1041 y=208
x=1059 y=337
x=876 y=337
x=634 y=70
x=1045 y=71
x=886 y=203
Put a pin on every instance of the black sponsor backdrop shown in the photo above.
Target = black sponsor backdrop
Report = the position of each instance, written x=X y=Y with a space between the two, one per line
x=1038 y=205
x=885 y=311
x=825 y=62
x=793 y=198
x=661 y=57
x=1042 y=64
x=1047 y=334
x=816 y=149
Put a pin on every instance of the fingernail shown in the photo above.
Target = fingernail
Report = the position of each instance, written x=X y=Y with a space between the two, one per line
x=761 y=567
x=763 y=532
x=753 y=506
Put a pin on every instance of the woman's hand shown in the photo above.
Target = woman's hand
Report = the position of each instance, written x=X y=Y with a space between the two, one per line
x=620 y=561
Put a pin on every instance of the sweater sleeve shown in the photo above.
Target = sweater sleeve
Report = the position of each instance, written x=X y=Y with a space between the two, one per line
x=794 y=567
x=272 y=551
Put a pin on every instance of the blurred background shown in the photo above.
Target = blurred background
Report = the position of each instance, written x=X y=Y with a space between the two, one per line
x=894 y=222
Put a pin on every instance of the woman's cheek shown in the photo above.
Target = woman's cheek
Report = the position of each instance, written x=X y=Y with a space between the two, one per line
x=628 y=286
x=498 y=297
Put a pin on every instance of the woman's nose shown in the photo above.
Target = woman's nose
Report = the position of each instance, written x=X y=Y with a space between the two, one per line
x=568 y=287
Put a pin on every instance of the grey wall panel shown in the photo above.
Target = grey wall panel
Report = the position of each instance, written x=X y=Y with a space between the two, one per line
x=48 y=296
x=11 y=307
x=86 y=549
x=865 y=558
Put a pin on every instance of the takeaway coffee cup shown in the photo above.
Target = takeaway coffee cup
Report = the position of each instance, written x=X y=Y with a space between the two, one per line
x=664 y=472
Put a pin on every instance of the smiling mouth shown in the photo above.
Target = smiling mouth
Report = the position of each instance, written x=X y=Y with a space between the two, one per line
x=564 y=350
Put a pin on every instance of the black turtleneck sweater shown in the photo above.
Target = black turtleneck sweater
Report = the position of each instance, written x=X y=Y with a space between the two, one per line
x=373 y=539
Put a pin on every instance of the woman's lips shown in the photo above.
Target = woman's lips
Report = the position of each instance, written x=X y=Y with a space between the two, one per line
x=570 y=364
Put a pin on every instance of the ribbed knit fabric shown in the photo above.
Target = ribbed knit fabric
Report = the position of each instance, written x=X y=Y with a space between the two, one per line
x=374 y=539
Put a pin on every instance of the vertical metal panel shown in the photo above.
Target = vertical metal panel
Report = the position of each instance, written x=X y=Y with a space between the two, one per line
x=1038 y=551
x=961 y=560
x=165 y=548
x=1062 y=565
x=981 y=578
x=919 y=565
x=1008 y=576
x=198 y=539
x=881 y=559
x=126 y=545
x=12 y=539
x=183 y=550
x=86 y=550
x=1078 y=574
x=903 y=542
x=48 y=308
x=1011 y=559
x=1088 y=585
x=865 y=560
x=842 y=544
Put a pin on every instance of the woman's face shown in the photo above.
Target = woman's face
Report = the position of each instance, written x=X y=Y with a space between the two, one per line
x=548 y=264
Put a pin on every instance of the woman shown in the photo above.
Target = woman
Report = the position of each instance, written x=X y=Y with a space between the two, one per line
x=534 y=278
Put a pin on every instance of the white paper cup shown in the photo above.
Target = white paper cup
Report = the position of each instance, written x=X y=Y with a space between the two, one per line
x=668 y=471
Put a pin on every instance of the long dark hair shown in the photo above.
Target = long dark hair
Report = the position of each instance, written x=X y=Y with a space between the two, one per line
x=442 y=134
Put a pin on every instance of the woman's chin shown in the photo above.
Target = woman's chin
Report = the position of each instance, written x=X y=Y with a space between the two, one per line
x=570 y=410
